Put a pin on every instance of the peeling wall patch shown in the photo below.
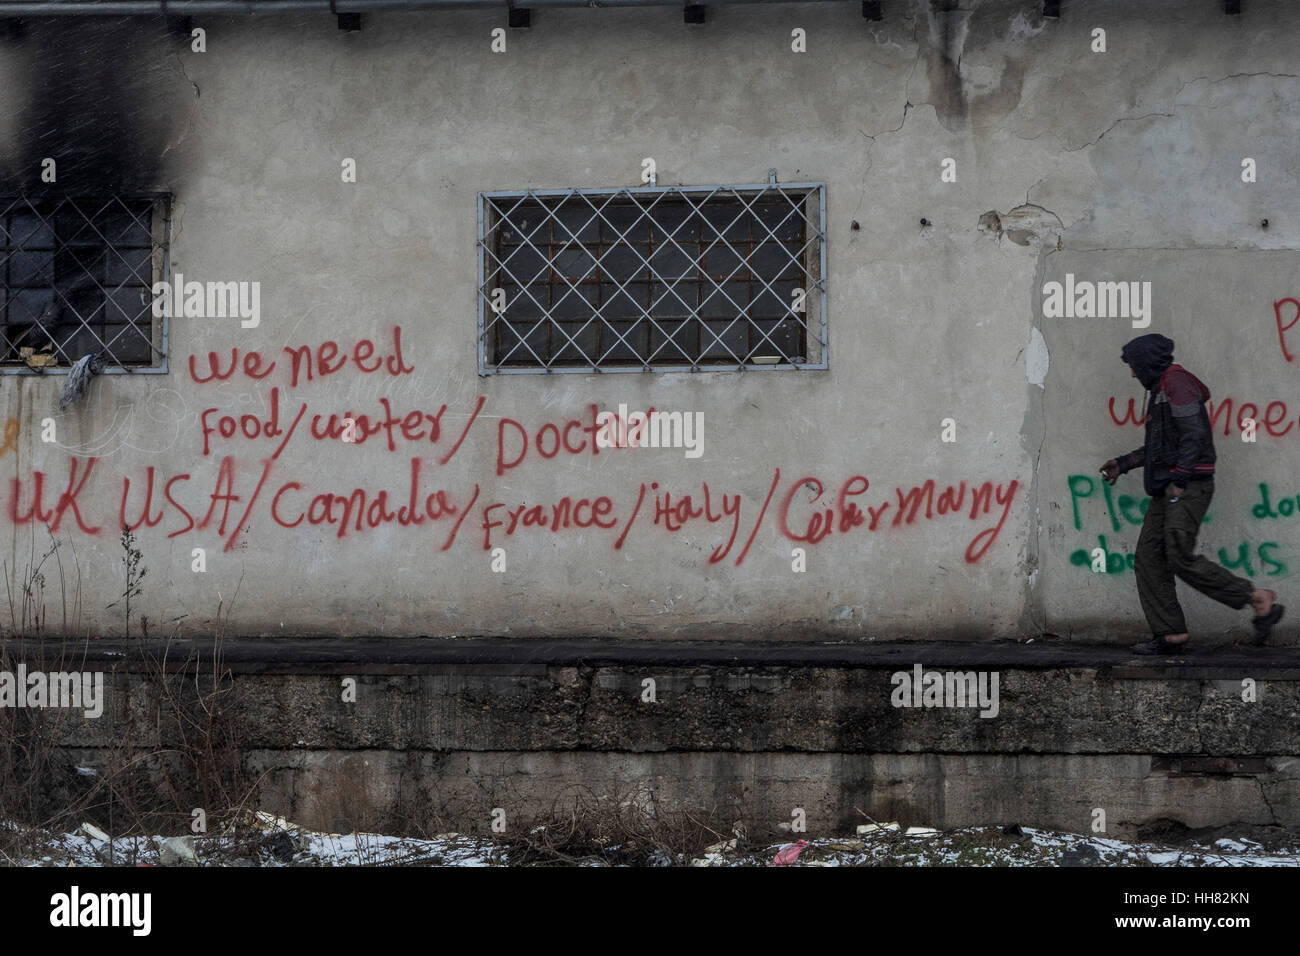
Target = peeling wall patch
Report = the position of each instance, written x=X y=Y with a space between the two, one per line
x=1025 y=225
x=1021 y=28
x=1036 y=359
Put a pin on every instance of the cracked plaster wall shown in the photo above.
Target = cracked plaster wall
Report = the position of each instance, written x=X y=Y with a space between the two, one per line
x=1135 y=153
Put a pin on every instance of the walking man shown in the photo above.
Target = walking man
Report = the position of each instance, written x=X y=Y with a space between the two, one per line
x=1177 y=461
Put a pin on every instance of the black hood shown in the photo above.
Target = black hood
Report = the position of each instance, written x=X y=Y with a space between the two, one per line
x=1148 y=356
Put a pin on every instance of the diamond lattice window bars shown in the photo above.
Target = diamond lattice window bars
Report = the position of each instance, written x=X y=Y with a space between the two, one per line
x=78 y=275
x=652 y=279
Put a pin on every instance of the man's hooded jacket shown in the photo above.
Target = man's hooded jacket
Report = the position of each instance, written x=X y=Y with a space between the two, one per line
x=1179 y=443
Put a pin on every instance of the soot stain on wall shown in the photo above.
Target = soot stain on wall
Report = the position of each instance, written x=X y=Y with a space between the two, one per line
x=101 y=97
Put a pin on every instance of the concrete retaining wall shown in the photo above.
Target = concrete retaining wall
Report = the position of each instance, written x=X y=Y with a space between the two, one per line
x=436 y=739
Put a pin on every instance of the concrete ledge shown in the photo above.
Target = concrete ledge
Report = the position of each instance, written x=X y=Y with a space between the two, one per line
x=386 y=655
x=754 y=730
x=459 y=790
x=739 y=708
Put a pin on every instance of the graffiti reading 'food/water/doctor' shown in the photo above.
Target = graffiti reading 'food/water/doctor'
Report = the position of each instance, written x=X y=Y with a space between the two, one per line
x=805 y=510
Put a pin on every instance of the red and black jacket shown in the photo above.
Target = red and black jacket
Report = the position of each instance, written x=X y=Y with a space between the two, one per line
x=1179 y=444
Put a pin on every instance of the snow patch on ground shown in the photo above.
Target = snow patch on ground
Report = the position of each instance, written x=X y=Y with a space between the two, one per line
x=282 y=844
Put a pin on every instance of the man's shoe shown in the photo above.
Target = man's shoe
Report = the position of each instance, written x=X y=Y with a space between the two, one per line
x=1158 y=645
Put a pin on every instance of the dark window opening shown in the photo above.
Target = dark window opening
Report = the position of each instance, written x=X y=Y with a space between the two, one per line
x=78 y=275
x=653 y=279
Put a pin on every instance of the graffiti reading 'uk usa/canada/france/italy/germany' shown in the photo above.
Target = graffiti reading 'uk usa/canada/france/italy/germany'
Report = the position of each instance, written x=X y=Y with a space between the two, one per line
x=804 y=510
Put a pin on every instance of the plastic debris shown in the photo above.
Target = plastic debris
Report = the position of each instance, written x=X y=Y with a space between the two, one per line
x=94 y=832
x=178 y=851
x=78 y=383
x=789 y=854
x=876 y=827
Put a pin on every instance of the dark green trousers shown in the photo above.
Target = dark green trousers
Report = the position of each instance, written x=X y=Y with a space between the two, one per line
x=1166 y=549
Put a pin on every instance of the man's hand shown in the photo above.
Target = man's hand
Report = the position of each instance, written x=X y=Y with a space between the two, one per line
x=1176 y=491
x=1110 y=471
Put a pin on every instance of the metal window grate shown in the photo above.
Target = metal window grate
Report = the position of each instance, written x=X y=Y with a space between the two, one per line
x=653 y=279
x=78 y=275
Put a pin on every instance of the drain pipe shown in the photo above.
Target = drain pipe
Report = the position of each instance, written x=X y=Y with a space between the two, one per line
x=51 y=8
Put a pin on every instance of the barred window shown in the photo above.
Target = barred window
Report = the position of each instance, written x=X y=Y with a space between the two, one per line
x=78 y=275
x=652 y=279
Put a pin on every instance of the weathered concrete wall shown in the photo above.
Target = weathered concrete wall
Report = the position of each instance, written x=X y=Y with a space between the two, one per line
x=342 y=790
x=1131 y=160
x=1219 y=308
x=434 y=739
